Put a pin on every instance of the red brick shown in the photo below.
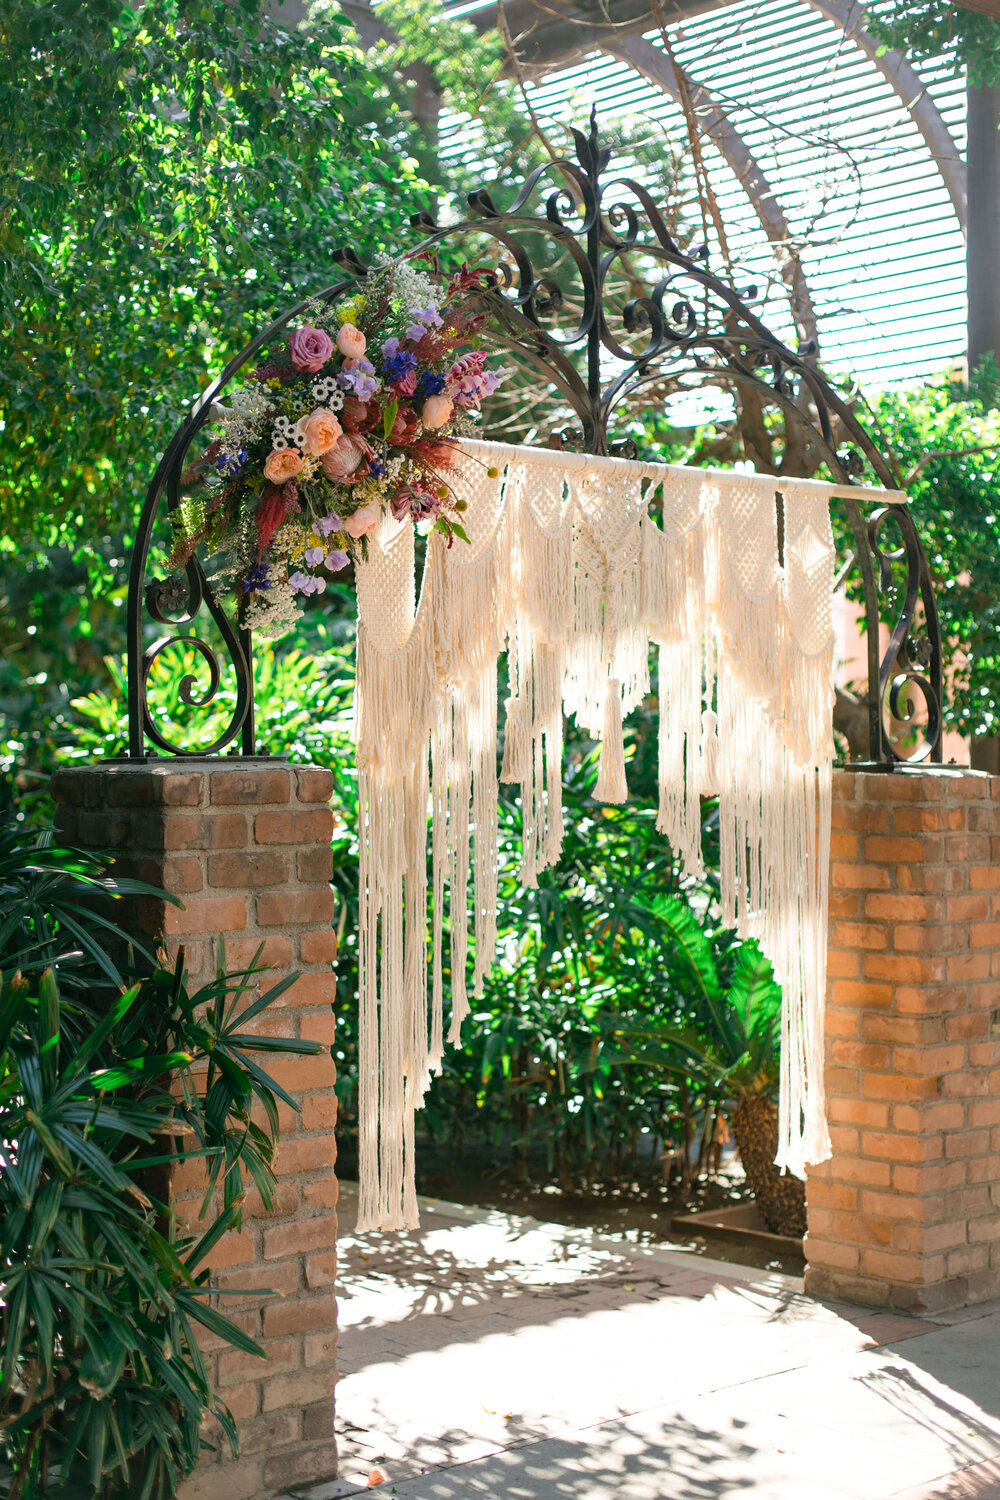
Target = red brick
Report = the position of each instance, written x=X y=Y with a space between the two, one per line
x=301 y=1314
x=984 y=934
x=831 y=1195
x=297 y=1390
x=894 y=907
x=321 y=1268
x=250 y=788
x=860 y=1054
x=304 y=1235
x=897 y=1206
x=841 y=1022
x=852 y=935
x=984 y=1112
x=236 y=1366
x=311 y=989
x=902 y=1087
x=324 y=1192
x=277 y=952
x=945 y=1115
x=967 y=849
x=270 y=1433
x=820 y=1252
x=968 y=1027
x=946 y=878
x=248 y=1285
x=315 y=866
x=929 y=938
x=319 y=1112
x=247 y=871
x=319 y=1028
x=889 y=1266
x=864 y=817
x=932 y=1178
x=927 y=819
x=894 y=850
x=969 y=966
x=305 y=1154
x=903 y=968
x=318 y=947
x=293 y=827
x=931 y=1000
x=210 y=914
x=321 y=1348
x=900 y=1147
x=859 y=1112
x=968 y=908
x=903 y=786
x=844 y=846
x=987 y=1228
x=858 y=1169
x=314 y=783
x=864 y=995
x=226 y=831
x=985 y=878
x=917 y=1030
x=851 y=876
x=925 y=1060
x=967 y=1143
x=179 y=876
x=292 y=908
x=234 y=1249
x=298 y=1074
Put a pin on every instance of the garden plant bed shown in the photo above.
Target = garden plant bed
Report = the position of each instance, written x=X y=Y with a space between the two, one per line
x=740 y=1223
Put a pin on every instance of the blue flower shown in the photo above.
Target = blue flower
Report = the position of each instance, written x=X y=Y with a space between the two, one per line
x=432 y=384
x=376 y=469
x=257 y=578
x=395 y=366
x=230 y=464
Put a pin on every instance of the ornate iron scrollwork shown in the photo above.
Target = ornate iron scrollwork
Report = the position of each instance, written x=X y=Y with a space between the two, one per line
x=678 y=322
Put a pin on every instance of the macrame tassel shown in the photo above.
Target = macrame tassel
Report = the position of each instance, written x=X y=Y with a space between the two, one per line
x=709 y=751
x=612 y=785
x=516 y=744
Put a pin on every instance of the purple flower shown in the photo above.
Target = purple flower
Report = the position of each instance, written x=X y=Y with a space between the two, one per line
x=336 y=560
x=390 y=347
x=314 y=555
x=303 y=584
x=376 y=469
x=310 y=348
x=358 y=381
x=428 y=316
x=326 y=525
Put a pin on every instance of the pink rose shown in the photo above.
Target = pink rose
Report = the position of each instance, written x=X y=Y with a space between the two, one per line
x=362 y=521
x=320 y=430
x=436 y=411
x=351 y=342
x=282 y=464
x=345 y=457
x=310 y=348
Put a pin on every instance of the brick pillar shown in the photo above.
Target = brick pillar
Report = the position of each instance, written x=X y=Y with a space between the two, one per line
x=247 y=848
x=907 y=1213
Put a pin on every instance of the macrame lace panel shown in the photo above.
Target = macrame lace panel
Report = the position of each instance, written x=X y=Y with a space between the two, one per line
x=575 y=567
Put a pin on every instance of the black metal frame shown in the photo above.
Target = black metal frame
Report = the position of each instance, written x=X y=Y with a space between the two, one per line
x=692 y=325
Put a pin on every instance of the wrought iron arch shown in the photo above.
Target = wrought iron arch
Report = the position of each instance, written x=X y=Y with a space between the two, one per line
x=681 y=323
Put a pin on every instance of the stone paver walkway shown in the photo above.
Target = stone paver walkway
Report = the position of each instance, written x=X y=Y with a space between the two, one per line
x=495 y=1357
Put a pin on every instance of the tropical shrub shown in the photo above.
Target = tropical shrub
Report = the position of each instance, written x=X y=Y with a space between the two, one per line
x=104 y=1389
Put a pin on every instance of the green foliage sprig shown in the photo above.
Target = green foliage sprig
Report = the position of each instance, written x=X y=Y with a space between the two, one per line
x=928 y=29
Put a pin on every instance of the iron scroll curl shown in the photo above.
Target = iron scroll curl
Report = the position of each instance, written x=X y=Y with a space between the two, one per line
x=679 y=321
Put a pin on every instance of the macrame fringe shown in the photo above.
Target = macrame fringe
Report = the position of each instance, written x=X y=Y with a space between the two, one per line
x=568 y=572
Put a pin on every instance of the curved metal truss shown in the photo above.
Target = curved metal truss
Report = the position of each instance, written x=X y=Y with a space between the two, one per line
x=592 y=248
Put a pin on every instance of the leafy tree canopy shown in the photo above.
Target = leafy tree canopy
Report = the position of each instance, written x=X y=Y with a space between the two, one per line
x=170 y=174
x=925 y=29
x=946 y=441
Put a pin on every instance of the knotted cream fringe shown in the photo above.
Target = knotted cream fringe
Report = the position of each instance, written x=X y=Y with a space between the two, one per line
x=570 y=574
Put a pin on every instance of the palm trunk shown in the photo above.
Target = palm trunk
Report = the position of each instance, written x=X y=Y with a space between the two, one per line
x=781 y=1199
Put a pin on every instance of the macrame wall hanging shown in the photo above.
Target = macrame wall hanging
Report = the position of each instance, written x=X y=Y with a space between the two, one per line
x=568 y=573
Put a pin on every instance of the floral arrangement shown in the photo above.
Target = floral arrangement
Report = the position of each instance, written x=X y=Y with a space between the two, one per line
x=358 y=413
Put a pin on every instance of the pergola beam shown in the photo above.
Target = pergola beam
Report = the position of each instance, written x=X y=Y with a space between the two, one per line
x=653 y=63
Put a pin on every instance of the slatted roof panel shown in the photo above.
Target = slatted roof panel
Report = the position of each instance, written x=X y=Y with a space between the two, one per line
x=882 y=249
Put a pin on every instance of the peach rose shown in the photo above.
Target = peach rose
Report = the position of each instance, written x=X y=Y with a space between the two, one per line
x=436 y=411
x=351 y=342
x=320 y=430
x=345 y=457
x=362 y=521
x=282 y=464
